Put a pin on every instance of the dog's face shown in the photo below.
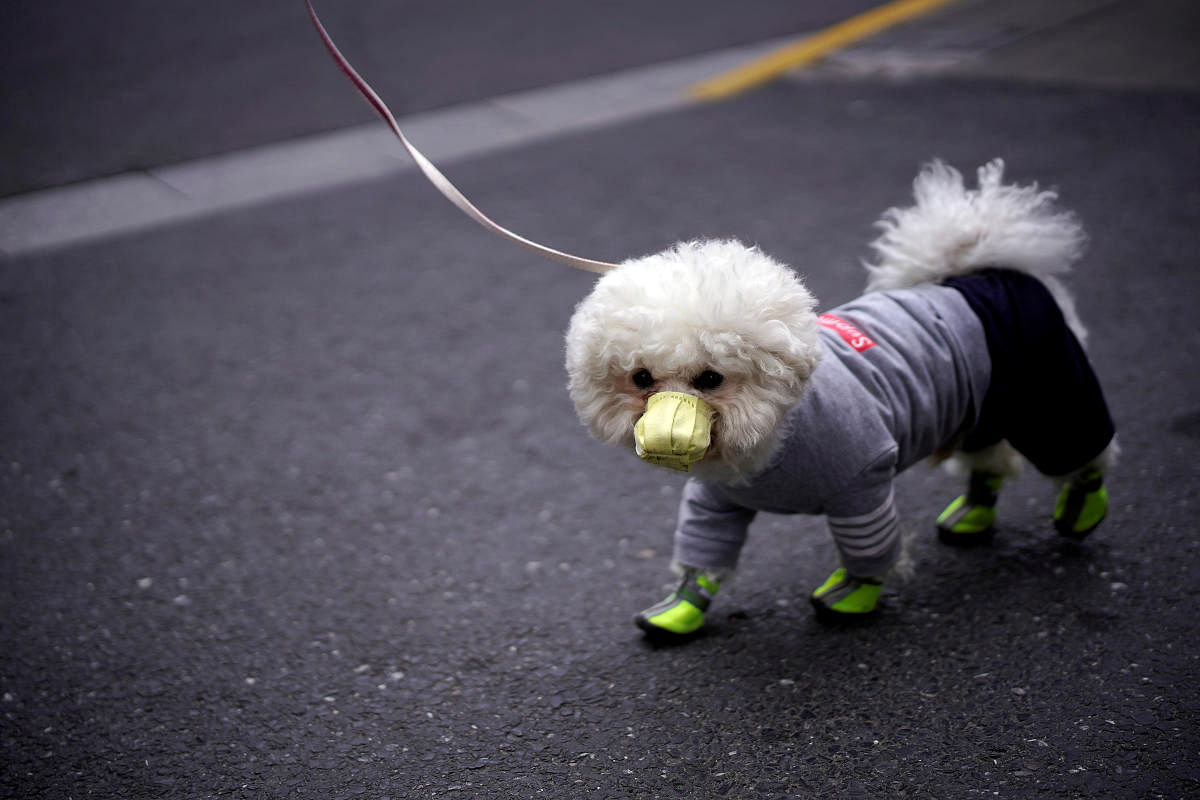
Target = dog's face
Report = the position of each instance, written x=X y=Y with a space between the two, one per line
x=714 y=322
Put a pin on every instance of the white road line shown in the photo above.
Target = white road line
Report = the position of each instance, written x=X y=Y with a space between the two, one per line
x=137 y=201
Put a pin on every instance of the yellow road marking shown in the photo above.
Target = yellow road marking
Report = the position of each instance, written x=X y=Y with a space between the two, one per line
x=811 y=48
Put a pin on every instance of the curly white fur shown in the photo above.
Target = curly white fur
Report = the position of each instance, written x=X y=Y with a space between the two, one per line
x=711 y=305
x=953 y=230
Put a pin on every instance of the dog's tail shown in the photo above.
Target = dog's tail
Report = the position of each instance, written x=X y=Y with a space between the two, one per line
x=952 y=230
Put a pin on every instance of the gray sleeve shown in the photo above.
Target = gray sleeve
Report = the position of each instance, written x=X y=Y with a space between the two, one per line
x=711 y=530
x=868 y=543
x=864 y=522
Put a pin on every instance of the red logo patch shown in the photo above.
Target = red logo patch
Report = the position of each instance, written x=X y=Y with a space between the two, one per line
x=852 y=335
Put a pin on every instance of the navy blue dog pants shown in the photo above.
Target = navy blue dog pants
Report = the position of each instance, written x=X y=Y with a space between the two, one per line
x=1043 y=396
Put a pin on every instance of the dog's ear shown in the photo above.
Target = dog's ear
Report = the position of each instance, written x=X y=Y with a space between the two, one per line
x=800 y=358
x=803 y=363
x=790 y=342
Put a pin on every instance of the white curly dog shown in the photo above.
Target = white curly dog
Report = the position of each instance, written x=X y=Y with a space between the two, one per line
x=710 y=357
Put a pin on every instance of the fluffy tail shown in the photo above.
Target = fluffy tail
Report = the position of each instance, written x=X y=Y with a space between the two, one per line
x=954 y=230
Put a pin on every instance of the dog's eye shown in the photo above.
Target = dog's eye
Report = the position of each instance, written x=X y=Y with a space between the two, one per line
x=642 y=379
x=708 y=380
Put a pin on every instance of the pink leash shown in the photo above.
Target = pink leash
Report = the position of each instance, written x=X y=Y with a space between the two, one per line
x=435 y=175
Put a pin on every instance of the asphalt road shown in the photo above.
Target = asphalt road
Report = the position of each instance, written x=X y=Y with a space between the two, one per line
x=293 y=502
x=95 y=89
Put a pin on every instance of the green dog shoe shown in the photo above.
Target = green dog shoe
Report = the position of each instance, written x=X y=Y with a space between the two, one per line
x=969 y=518
x=682 y=612
x=843 y=597
x=1081 y=505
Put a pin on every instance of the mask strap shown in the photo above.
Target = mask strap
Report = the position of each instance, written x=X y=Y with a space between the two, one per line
x=434 y=174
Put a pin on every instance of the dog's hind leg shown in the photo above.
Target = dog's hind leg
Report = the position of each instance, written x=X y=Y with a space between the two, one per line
x=970 y=517
x=1082 y=502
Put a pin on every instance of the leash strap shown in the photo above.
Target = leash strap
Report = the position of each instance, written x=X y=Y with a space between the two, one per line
x=435 y=175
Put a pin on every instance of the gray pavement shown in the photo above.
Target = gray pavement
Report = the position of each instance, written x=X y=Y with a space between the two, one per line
x=293 y=502
x=94 y=90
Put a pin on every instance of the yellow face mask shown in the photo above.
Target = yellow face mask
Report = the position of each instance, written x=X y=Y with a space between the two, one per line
x=675 y=431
